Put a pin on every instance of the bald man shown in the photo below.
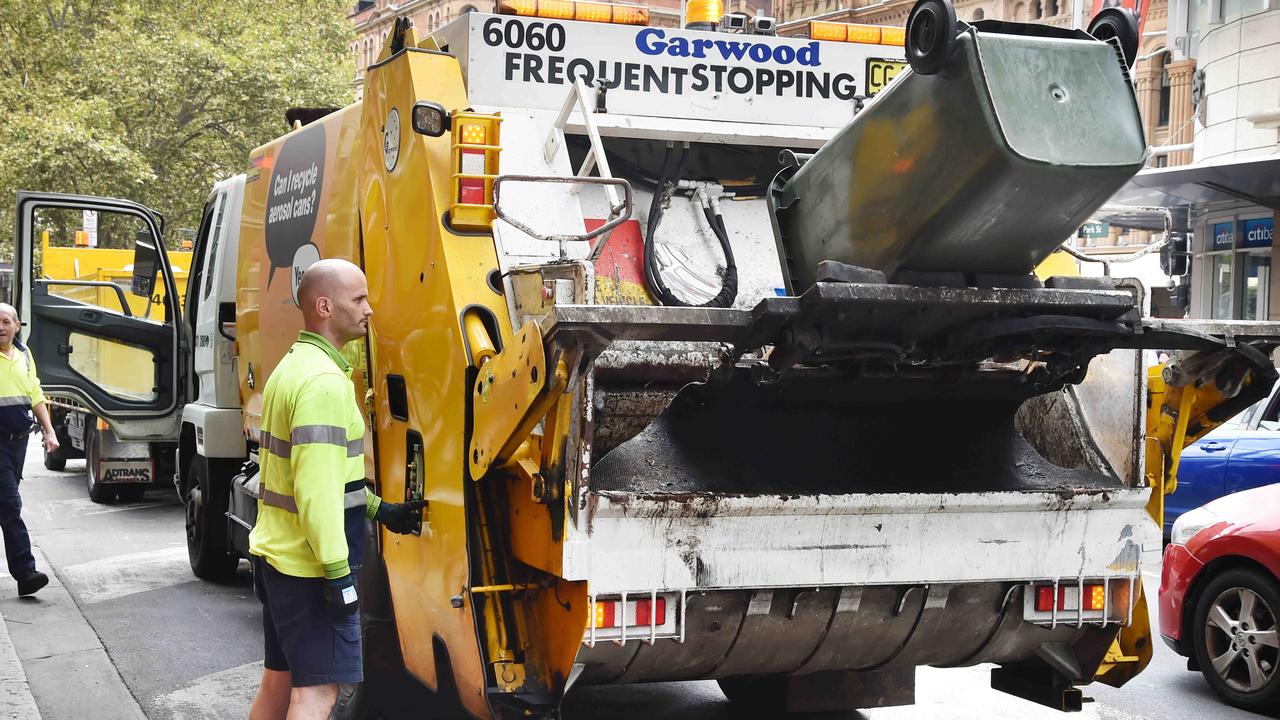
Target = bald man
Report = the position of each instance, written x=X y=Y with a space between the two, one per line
x=20 y=397
x=309 y=538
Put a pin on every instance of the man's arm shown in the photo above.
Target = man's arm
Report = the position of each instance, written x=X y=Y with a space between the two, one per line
x=46 y=425
x=40 y=407
x=318 y=459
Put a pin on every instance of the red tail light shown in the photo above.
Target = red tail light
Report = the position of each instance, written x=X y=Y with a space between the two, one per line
x=647 y=611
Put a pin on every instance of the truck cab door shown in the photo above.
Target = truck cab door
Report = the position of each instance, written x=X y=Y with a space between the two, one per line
x=100 y=309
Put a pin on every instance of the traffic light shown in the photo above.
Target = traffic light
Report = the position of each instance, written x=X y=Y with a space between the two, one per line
x=1175 y=256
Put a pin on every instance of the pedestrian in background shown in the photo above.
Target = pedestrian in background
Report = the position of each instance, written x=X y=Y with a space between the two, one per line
x=309 y=538
x=20 y=397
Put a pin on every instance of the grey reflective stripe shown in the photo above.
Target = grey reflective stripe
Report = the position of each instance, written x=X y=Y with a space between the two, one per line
x=350 y=499
x=355 y=447
x=277 y=447
x=275 y=499
x=327 y=434
x=15 y=400
x=355 y=499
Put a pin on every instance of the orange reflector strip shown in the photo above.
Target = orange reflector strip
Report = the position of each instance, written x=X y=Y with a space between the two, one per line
x=473 y=134
x=835 y=32
x=605 y=615
x=1095 y=597
x=869 y=34
x=855 y=32
x=617 y=14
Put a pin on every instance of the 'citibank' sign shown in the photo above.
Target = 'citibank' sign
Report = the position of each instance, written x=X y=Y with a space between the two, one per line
x=1255 y=233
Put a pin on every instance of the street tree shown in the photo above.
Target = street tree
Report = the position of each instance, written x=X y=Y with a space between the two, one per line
x=156 y=100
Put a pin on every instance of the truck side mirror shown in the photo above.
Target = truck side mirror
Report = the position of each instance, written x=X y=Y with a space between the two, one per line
x=146 y=262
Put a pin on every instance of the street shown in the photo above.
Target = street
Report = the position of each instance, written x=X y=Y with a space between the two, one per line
x=124 y=631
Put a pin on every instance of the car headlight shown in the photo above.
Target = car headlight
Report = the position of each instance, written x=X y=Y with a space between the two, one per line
x=1190 y=523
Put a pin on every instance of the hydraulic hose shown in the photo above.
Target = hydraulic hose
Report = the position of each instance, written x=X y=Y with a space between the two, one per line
x=672 y=168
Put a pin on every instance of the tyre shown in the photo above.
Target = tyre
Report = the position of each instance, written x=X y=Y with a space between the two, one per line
x=206 y=511
x=1120 y=24
x=763 y=696
x=55 y=461
x=131 y=493
x=931 y=35
x=351 y=702
x=98 y=491
x=1234 y=631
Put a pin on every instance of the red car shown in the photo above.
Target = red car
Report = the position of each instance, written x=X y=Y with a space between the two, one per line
x=1220 y=595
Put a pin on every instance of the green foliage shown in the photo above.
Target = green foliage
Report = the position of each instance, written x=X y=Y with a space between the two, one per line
x=156 y=100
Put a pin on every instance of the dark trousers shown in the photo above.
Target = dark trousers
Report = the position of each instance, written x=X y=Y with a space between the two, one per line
x=17 y=543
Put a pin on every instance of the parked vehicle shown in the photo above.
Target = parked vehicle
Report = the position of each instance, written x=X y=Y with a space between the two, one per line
x=1220 y=596
x=1241 y=454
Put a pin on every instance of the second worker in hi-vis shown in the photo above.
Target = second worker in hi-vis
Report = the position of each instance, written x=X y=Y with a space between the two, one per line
x=309 y=537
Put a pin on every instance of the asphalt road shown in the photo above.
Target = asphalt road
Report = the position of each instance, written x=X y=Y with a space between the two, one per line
x=191 y=650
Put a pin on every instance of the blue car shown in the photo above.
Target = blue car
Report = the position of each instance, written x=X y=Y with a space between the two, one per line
x=1241 y=454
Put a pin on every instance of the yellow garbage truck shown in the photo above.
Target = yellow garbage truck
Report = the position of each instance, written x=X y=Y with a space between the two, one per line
x=715 y=356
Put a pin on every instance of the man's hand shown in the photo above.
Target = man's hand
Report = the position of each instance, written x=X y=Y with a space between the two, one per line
x=400 y=518
x=340 y=599
x=50 y=442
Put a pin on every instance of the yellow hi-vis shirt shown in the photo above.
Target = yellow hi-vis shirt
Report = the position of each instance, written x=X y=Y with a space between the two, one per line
x=19 y=390
x=311 y=464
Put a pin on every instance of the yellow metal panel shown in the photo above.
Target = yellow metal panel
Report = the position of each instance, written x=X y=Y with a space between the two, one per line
x=504 y=394
x=421 y=278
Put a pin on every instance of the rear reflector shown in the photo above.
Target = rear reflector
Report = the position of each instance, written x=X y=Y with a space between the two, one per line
x=1095 y=597
x=650 y=612
x=606 y=615
x=1069 y=597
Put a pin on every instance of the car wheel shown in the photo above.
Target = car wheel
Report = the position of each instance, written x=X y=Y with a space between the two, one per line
x=207 y=546
x=1236 y=642
x=99 y=492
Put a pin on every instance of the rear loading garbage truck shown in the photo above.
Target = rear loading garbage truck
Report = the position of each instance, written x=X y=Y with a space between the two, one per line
x=710 y=364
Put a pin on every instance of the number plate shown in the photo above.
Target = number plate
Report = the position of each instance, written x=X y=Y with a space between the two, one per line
x=880 y=72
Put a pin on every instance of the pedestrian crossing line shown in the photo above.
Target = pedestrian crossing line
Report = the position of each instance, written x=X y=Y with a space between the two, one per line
x=114 y=577
x=224 y=694
x=53 y=510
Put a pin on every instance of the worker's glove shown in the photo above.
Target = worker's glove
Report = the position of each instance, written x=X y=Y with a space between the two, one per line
x=400 y=518
x=340 y=599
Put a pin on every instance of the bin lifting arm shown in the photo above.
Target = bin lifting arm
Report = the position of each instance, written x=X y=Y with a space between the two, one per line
x=1186 y=398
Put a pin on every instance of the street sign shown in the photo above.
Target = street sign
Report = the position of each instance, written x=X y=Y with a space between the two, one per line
x=1095 y=230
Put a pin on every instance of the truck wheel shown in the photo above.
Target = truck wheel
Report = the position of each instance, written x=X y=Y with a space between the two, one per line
x=98 y=491
x=55 y=461
x=207 y=546
x=350 y=704
x=1235 y=639
x=762 y=696
x=131 y=493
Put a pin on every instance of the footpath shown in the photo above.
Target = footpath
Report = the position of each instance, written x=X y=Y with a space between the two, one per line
x=48 y=650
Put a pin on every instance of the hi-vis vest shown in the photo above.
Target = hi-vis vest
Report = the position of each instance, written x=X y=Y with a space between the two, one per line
x=313 y=503
x=19 y=390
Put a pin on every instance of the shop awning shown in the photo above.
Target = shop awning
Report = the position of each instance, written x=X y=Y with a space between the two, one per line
x=1254 y=180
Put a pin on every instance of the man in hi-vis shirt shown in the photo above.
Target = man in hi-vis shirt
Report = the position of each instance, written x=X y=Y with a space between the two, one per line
x=309 y=537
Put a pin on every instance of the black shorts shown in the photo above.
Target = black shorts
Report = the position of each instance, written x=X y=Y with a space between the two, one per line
x=299 y=636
